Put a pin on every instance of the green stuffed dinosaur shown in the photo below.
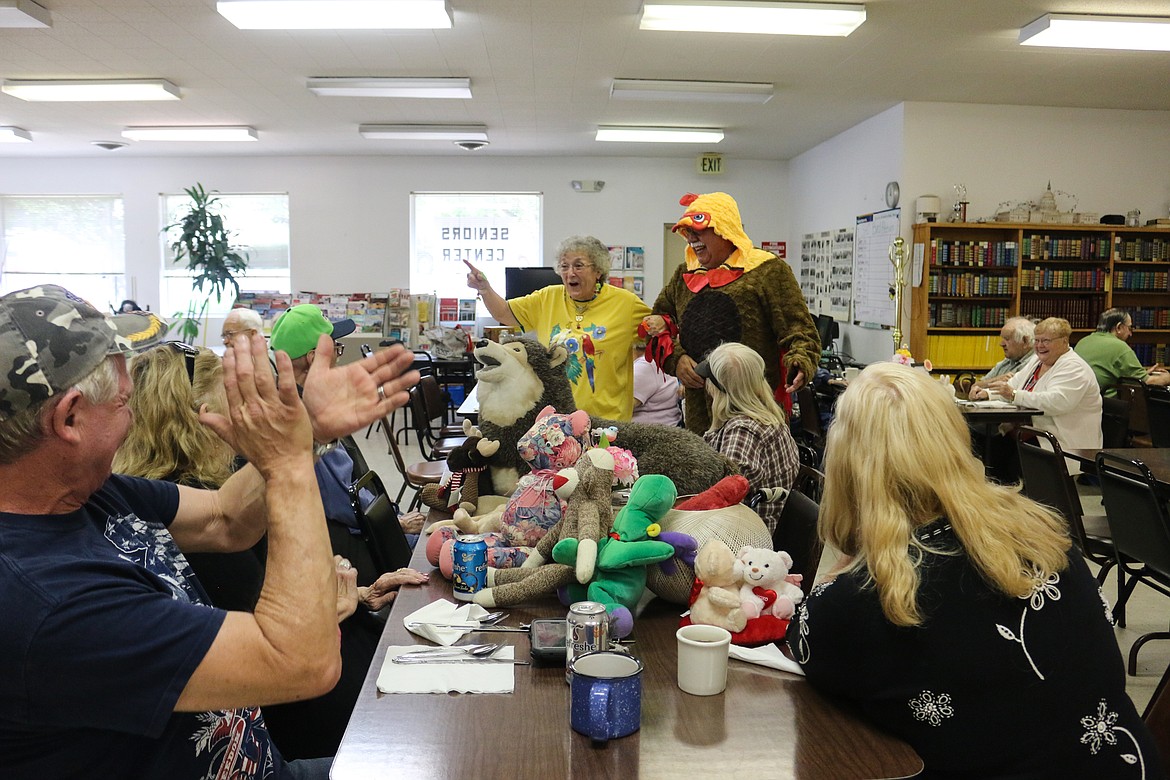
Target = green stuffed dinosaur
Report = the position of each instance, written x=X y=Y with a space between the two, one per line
x=619 y=577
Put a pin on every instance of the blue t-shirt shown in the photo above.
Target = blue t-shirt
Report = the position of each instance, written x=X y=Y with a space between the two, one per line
x=104 y=623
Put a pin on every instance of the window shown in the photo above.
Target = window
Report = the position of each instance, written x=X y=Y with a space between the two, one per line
x=490 y=230
x=75 y=241
x=258 y=223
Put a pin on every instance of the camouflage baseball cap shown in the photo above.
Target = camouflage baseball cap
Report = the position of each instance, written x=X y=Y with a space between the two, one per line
x=50 y=340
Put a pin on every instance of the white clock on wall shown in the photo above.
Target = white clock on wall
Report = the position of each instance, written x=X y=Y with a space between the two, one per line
x=892 y=193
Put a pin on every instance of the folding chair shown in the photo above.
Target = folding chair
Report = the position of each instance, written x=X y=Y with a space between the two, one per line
x=378 y=520
x=796 y=534
x=1141 y=534
x=1158 y=415
x=428 y=410
x=416 y=475
x=1047 y=481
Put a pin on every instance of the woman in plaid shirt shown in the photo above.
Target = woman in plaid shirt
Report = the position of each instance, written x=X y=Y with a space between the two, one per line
x=746 y=423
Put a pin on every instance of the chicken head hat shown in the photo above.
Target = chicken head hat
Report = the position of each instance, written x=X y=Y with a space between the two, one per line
x=720 y=212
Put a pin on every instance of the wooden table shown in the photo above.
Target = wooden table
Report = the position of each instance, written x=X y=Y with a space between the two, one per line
x=767 y=724
x=1156 y=458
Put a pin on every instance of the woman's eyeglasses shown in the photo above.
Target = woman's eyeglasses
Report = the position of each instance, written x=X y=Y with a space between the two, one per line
x=189 y=354
x=578 y=267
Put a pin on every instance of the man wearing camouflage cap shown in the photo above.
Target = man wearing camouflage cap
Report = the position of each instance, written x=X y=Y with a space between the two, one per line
x=111 y=662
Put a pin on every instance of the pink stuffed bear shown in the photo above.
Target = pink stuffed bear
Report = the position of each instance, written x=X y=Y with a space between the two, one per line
x=768 y=588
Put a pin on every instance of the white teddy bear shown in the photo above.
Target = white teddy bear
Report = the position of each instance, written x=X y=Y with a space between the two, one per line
x=763 y=569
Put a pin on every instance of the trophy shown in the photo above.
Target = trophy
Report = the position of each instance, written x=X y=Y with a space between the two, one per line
x=898 y=260
x=959 y=210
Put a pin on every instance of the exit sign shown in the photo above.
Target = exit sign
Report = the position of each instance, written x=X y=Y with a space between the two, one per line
x=710 y=164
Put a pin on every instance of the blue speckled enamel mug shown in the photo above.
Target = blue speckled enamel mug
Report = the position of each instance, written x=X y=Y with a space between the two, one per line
x=605 y=695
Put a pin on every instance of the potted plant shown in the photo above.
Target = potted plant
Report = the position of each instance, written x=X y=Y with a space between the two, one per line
x=205 y=243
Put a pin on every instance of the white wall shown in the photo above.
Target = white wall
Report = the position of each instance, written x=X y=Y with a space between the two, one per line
x=831 y=184
x=350 y=215
x=1110 y=160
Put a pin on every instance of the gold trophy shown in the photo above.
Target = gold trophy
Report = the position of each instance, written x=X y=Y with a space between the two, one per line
x=898 y=260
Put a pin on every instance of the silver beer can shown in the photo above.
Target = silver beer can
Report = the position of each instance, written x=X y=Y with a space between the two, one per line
x=588 y=631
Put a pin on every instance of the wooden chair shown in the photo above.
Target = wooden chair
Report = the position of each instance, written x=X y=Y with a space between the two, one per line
x=796 y=534
x=1047 y=481
x=1141 y=534
x=416 y=475
x=1158 y=415
x=378 y=521
x=1157 y=717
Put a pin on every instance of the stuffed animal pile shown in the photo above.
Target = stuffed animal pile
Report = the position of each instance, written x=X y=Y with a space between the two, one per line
x=466 y=475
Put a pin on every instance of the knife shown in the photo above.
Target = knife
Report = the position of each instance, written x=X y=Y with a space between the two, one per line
x=522 y=628
x=406 y=659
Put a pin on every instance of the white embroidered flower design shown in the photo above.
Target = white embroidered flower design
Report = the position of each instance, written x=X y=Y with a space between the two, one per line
x=802 y=647
x=1108 y=609
x=932 y=708
x=1101 y=729
x=1044 y=586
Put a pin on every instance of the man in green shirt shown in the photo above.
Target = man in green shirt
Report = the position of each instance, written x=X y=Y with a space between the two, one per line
x=1111 y=358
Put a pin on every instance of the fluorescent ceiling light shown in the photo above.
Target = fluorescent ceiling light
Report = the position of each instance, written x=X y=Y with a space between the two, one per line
x=456 y=88
x=1139 y=33
x=14 y=135
x=191 y=133
x=660 y=135
x=68 y=90
x=692 y=91
x=424 y=132
x=23 y=13
x=336 y=14
x=728 y=16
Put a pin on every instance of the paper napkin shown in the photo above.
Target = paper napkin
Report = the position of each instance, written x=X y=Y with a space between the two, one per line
x=465 y=677
x=443 y=612
x=767 y=655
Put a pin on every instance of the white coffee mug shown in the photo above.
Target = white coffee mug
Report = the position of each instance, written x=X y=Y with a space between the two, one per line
x=702 y=659
x=851 y=373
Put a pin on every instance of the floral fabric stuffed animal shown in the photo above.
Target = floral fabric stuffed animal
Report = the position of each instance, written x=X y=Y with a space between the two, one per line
x=588 y=517
x=768 y=588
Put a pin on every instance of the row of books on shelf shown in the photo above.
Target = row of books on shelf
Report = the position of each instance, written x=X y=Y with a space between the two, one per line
x=1141 y=249
x=1149 y=354
x=1064 y=279
x=1046 y=247
x=991 y=254
x=964 y=351
x=1152 y=318
x=964 y=315
x=1081 y=311
x=969 y=284
x=1140 y=281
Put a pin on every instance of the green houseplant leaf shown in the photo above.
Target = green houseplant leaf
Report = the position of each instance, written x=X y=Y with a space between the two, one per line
x=206 y=244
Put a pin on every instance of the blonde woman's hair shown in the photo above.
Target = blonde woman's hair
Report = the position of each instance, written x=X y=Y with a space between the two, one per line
x=899 y=456
x=1056 y=326
x=166 y=439
x=742 y=388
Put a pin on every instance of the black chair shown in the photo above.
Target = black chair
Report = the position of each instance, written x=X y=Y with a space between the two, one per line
x=1047 y=481
x=796 y=534
x=435 y=441
x=1158 y=415
x=1157 y=717
x=1139 y=425
x=378 y=521
x=1115 y=422
x=1141 y=534
x=810 y=482
x=810 y=432
x=808 y=456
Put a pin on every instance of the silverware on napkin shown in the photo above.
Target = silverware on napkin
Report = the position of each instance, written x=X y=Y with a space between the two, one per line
x=406 y=659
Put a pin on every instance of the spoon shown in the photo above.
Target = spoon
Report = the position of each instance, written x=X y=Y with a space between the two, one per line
x=410 y=659
x=469 y=651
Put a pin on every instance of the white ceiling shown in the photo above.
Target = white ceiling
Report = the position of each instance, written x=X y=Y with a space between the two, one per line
x=540 y=73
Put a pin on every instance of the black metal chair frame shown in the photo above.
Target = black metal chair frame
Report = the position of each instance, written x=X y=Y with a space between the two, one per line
x=427 y=407
x=1141 y=534
x=1047 y=481
x=378 y=522
x=1158 y=415
x=796 y=533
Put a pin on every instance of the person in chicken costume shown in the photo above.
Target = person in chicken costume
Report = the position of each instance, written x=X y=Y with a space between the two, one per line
x=728 y=290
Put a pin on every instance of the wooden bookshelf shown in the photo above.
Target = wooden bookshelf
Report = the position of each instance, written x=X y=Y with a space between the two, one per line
x=977 y=275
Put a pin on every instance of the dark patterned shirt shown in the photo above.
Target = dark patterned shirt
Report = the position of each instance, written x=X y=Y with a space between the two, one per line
x=766 y=456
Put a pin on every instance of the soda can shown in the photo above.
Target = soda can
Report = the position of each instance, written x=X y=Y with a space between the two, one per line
x=588 y=631
x=469 y=573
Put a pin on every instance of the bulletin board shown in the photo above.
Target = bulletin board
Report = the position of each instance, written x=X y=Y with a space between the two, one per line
x=873 y=273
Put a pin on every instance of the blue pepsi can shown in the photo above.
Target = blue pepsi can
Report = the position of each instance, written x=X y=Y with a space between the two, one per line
x=470 y=566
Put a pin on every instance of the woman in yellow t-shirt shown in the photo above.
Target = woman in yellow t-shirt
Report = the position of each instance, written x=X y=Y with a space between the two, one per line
x=596 y=322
